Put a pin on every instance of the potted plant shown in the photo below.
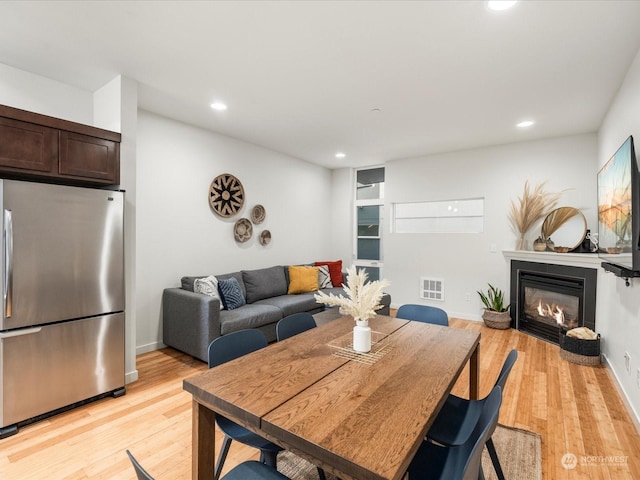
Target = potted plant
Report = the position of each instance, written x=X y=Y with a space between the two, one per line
x=496 y=312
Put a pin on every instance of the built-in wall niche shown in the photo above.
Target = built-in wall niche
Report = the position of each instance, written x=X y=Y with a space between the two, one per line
x=442 y=216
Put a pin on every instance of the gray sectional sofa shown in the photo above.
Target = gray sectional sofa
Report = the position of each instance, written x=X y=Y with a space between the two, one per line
x=190 y=321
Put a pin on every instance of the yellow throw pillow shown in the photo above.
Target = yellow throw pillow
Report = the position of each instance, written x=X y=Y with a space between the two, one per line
x=303 y=279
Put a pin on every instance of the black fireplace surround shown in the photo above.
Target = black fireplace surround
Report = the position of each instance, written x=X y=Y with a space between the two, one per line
x=546 y=298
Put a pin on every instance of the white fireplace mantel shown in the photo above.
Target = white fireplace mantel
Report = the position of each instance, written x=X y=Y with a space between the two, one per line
x=585 y=260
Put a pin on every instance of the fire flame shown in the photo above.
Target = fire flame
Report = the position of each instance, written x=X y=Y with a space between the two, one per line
x=553 y=311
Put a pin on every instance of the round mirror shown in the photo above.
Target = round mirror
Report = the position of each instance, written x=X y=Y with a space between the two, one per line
x=566 y=226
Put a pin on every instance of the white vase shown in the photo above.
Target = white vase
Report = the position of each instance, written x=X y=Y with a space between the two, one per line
x=362 y=336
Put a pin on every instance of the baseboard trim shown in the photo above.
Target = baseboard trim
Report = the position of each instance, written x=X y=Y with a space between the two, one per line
x=466 y=316
x=149 y=347
x=130 y=377
x=635 y=418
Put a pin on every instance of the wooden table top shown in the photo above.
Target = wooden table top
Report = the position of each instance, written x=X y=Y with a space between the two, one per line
x=358 y=420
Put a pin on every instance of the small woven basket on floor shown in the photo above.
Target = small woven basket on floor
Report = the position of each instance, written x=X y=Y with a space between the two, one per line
x=499 y=320
x=580 y=351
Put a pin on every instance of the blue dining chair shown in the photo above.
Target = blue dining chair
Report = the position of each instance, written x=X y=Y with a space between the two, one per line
x=458 y=416
x=222 y=350
x=141 y=473
x=249 y=470
x=459 y=462
x=294 y=324
x=423 y=313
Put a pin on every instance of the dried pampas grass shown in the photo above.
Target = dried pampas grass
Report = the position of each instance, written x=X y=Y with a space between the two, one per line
x=363 y=298
x=531 y=207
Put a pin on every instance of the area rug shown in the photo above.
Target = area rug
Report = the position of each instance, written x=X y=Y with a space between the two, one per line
x=519 y=451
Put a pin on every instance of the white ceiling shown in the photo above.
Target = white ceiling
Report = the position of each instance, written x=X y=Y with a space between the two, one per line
x=303 y=78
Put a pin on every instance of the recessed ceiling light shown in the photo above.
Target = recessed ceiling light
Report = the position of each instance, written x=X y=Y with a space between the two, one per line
x=341 y=155
x=218 y=106
x=525 y=124
x=499 y=5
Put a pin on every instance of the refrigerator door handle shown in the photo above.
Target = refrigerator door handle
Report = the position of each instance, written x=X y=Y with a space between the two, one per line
x=8 y=262
x=19 y=333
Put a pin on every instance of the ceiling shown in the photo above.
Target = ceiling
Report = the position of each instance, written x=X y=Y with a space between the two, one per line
x=377 y=80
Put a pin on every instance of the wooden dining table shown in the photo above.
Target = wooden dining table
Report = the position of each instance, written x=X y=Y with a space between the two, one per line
x=358 y=416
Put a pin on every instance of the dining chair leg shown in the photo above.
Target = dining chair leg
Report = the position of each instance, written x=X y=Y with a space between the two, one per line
x=269 y=458
x=494 y=459
x=226 y=443
x=321 y=474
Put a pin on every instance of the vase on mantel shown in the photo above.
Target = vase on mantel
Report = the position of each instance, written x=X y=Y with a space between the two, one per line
x=362 y=336
x=522 y=243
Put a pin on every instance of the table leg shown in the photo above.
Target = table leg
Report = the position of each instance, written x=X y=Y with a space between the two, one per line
x=203 y=438
x=474 y=374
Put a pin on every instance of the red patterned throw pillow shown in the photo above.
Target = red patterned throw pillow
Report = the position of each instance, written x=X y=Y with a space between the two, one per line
x=335 y=271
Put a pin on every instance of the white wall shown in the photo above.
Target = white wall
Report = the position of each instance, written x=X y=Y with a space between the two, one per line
x=342 y=215
x=177 y=232
x=116 y=108
x=27 y=91
x=107 y=102
x=619 y=304
x=497 y=174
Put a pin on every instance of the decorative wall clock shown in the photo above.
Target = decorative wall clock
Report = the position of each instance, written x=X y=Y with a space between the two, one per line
x=226 y=195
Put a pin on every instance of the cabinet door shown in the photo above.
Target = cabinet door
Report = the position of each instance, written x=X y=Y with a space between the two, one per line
x=90 y=158
x=25 y=147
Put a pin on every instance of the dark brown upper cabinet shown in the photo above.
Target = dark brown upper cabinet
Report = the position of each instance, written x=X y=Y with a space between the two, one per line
x=39 y=147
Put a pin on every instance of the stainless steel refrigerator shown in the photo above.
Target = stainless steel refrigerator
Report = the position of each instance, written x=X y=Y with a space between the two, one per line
x=62 y=325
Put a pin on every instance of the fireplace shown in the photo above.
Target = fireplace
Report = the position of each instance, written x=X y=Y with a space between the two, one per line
x=548 y=297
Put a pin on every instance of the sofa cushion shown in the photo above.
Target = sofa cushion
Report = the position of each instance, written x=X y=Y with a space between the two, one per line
x=187 y=282
x=335 y=290
x=289 y=304
x=237 y=276
x=302 y=279
x=231 y=293
x=335 y=270
x=207 y=286
x=324 y=279
x=264 y=283
x=248 y=316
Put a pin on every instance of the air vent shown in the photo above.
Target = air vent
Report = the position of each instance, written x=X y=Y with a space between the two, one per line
x=432 y=288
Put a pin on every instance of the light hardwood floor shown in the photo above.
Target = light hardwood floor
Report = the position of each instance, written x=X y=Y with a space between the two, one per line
x=576 y=409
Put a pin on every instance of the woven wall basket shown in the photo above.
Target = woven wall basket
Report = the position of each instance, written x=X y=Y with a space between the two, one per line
x=499 y=320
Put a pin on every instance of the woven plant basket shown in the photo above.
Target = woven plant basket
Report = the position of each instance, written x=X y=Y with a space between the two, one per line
x=578 y=350
x=499 y=320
